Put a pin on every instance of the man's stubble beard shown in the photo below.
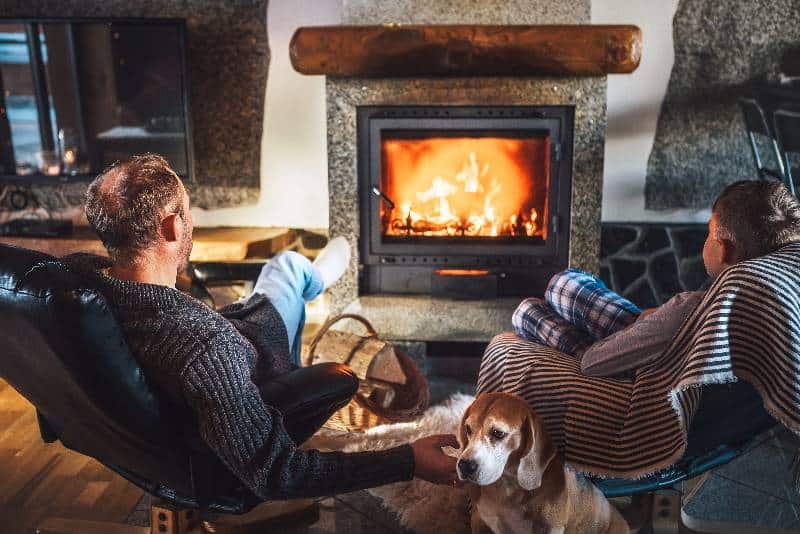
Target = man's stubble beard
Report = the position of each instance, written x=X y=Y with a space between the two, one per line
x=186 y=250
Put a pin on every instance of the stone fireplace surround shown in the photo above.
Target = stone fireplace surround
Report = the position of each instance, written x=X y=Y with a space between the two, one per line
x=424 y=318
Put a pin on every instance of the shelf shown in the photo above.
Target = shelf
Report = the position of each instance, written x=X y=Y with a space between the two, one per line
x=396 y=51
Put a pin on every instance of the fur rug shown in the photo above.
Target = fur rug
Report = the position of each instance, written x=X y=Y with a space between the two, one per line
x=419 y=505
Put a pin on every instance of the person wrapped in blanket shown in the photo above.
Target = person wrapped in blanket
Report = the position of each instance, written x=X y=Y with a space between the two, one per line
x=580 y=316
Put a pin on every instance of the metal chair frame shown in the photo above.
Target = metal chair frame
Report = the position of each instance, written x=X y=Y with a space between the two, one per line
x=756 y=122
x=787 y=134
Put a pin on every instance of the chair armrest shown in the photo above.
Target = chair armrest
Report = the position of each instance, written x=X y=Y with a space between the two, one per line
x=209 y=272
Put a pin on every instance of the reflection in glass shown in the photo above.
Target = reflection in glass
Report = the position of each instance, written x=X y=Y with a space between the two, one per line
x=79 y=96
x=70 y=150
x=20 y=102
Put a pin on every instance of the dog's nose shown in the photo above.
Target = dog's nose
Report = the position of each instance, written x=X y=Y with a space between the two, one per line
x=467 y=468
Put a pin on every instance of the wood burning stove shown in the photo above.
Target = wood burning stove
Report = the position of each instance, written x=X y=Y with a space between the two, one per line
x=468 y=201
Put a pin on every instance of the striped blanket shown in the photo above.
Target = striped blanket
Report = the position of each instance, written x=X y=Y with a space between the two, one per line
x=746 y=327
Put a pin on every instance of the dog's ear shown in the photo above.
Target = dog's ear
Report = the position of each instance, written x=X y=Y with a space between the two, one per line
x=537 y=452
x=462 y=433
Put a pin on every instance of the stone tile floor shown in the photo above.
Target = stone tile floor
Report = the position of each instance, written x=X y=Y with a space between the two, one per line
x=755 y=489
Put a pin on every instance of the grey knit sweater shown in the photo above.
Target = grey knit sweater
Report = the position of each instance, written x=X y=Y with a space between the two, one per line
x=208 y=362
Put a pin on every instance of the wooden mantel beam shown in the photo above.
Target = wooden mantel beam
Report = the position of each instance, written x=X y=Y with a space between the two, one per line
x=397 y=51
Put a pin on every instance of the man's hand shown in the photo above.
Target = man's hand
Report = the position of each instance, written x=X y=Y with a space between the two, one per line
x=431 y=464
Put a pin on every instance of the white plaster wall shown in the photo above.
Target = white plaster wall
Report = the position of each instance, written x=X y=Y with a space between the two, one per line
x=294 y=162
x=634 y=101
x=294 y=186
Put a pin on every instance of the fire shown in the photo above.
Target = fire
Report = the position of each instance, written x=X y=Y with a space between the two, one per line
x=465 y=186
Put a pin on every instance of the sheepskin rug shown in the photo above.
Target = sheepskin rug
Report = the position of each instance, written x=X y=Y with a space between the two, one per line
x=420 y=506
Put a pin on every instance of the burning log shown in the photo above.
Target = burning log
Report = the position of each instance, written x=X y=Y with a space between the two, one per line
x=463 y=187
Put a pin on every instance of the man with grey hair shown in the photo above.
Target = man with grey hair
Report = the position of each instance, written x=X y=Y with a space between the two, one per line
x=219 y=364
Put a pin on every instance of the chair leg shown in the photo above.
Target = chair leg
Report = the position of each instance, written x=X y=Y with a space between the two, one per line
x=164 y=519
x=653 y=513
x=168 y=519
x=271 y=516
x=58 y=525
x=639 y=513
x=666 y=512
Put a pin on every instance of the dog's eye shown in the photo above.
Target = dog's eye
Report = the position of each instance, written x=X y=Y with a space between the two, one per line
x=497 y=434
x=468 y=430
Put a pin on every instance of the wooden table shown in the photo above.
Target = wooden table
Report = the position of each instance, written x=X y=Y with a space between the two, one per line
x=210 y=244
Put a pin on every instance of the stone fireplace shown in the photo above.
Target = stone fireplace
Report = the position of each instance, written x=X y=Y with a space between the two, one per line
x=413 y=204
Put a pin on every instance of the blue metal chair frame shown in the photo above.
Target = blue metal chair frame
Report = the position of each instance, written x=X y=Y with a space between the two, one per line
x=683 y=470
x=787 y=134
x=756 y=122
x=727 y=421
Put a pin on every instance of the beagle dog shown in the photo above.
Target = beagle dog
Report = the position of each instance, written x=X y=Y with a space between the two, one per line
x=522 y=486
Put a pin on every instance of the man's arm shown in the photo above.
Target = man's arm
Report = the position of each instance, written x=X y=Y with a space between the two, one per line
x=249 y=437
x=641 y=342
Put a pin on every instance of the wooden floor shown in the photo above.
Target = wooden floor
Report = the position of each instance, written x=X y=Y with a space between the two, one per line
x=39 y=480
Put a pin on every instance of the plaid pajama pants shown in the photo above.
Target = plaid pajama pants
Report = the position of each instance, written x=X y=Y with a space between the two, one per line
x=577 y=310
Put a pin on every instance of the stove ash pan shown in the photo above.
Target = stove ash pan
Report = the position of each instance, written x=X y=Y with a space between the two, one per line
x=469 y=202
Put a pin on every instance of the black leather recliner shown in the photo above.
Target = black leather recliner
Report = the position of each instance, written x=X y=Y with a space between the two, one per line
x=62 y=349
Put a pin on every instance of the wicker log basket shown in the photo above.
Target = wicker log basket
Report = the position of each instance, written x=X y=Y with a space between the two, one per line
x=391 y=386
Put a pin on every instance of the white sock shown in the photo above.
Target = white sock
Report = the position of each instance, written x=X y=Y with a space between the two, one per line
x=333 y=260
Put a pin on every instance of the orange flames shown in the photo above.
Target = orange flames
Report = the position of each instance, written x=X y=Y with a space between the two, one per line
x=465 y=186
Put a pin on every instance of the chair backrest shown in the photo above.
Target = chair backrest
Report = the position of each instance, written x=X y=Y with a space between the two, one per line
x=787 y=129
x=756 y=122
x=787 y=133
x=63 y=350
